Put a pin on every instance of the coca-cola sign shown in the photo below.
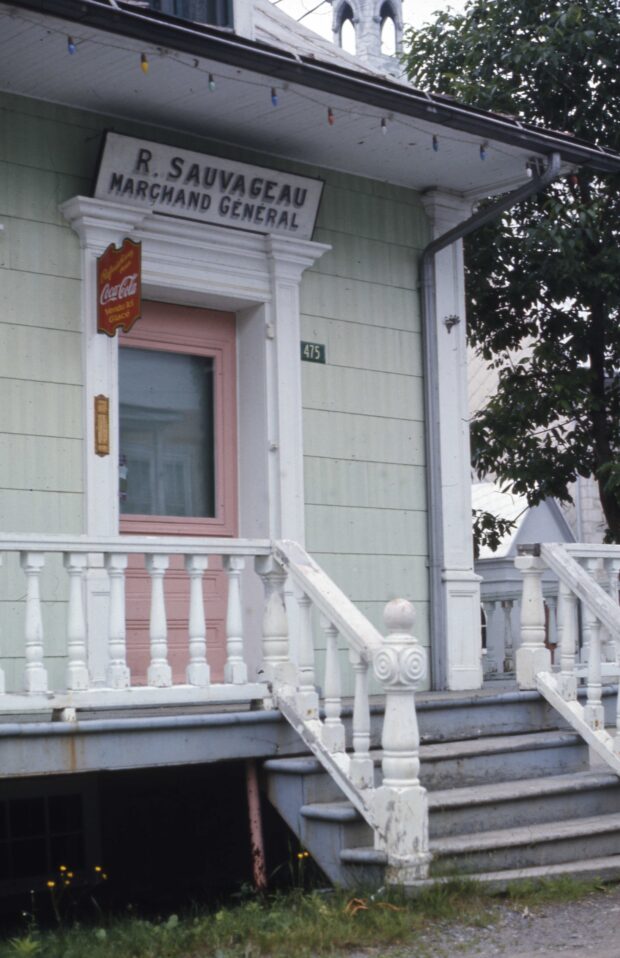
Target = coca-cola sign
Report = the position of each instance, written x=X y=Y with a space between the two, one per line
x=119 y=294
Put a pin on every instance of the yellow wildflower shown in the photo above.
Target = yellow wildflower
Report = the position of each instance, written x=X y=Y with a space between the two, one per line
x=51 y=884
x=62 y=868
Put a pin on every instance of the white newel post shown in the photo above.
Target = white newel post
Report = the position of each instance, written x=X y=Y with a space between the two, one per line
x=117 y=674
x=235 y=670
x=198 y=672
x=277 y=667
x=35 y=675
x=159 y=673
x=400 y=804
x=76 y=564
x=532 y=655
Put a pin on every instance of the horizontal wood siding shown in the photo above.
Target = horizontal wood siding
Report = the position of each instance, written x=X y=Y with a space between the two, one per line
x=366 y=520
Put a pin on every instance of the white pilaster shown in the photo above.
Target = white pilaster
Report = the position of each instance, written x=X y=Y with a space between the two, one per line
x=460 y=585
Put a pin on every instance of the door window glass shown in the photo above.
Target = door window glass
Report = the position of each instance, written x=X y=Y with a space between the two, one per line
x=167 y=441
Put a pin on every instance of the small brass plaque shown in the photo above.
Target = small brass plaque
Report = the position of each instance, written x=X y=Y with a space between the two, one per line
x=102 y=425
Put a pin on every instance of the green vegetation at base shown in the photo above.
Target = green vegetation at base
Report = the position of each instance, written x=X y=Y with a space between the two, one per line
x=298 y=923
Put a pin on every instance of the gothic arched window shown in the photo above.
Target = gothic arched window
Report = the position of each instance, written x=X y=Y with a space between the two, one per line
x=388 y=29
x=346 y=32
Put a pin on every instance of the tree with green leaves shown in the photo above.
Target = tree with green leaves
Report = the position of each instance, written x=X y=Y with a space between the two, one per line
x=543 y=283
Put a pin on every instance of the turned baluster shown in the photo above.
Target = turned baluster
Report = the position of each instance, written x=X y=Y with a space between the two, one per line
x=361 y=767
x=611 y=643
x=35 y=675
x=400 y=804
x=489 y=652
x=568 y=631
x=197 y=672
x=78 y=678
x=117 y=673
x=593 y=711
x=235 y=670
x=159 y=673
x=276 y=660
x=306 y=697
x=532 y=655
x=509 y=652
x=333 y=729
x=551 y=604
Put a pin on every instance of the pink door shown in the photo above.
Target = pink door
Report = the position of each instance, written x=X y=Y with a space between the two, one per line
x=177 y=412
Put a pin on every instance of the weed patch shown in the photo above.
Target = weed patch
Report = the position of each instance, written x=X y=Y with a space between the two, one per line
x=304 y=924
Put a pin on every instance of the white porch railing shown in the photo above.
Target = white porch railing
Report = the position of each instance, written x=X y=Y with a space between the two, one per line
x=588 y=577
x=396 y=808
x=84 y=557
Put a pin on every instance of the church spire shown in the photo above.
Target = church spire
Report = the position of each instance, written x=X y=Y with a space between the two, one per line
x=373 y=21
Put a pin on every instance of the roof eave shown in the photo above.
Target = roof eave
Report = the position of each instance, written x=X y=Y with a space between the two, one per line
x=222 y=46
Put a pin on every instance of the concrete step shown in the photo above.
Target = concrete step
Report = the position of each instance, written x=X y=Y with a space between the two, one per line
x=532 y=801
x=528 y=846
x=501 y=758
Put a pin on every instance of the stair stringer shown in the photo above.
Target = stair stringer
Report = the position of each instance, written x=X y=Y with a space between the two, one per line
x=336 y=764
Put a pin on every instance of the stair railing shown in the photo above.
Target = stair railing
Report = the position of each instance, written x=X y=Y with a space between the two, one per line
x=396 y=809
x=587 y=574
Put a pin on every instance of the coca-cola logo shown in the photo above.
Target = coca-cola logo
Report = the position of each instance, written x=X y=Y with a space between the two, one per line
x=127 y=287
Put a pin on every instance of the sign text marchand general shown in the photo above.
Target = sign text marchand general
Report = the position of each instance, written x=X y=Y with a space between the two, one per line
x=206 y=188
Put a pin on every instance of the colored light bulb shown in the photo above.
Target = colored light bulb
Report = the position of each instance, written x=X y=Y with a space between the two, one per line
x=211 y=82
x=331 y=119
x=144 y=63
x=274 y=96
x=71 y=47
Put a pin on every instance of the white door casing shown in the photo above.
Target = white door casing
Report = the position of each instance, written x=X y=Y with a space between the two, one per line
x=258 y=277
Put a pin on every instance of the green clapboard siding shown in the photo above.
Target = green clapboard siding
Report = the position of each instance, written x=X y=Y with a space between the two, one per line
x=366 y=519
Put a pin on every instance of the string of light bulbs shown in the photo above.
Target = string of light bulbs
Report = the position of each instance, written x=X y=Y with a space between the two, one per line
x=384 y=122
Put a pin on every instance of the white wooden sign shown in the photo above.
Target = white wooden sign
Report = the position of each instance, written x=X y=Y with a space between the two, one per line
x=206 y=188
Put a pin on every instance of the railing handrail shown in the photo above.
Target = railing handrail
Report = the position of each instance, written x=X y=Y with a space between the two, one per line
x=568 y=571
x=331 y=601
x=592 y=550
x=132 y=544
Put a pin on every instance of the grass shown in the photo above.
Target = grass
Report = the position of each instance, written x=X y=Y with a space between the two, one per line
x=298 y=923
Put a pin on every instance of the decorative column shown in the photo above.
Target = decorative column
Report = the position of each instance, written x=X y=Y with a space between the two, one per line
x=400 y=804
x=532 y=655
x=456 y=641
